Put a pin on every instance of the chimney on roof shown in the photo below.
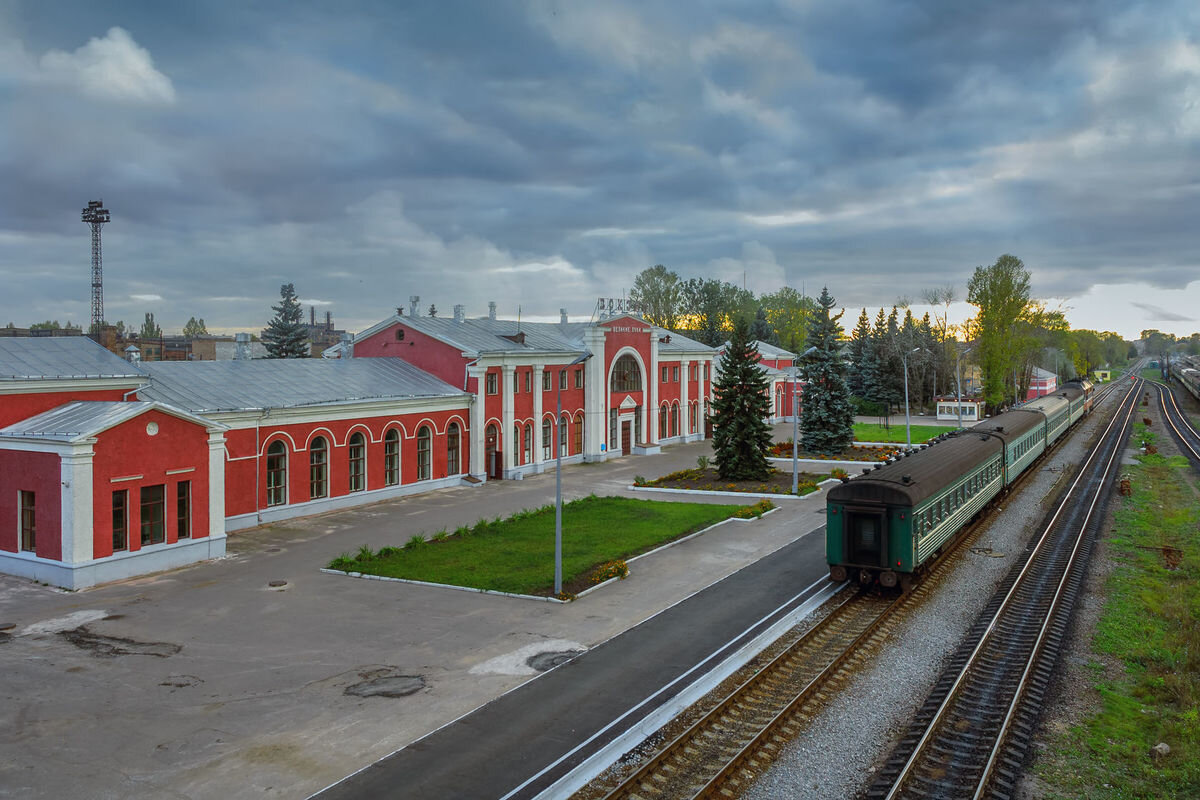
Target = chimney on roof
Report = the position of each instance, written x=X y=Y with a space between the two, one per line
x=347 y=345
x=492 y=309
x=241 y=350
x=132 y=354
x=460 y=313
x=413 y=299
x=562 y=316
x=312 y=316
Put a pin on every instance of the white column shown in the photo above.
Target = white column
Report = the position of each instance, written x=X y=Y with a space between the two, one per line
x=76 y=476
x=478 y=406
x=537 y=410
x=507 y=416
x=650 y=426
x=684 y=366
x=216 y=483
x=595 y=395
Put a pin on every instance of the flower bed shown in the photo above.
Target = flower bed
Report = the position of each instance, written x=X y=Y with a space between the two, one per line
x=707 y=479
x=854 y=453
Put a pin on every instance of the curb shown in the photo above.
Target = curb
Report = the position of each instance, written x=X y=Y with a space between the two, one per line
x=715 y=493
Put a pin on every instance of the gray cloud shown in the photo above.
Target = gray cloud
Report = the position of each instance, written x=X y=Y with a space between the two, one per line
x=543 y=153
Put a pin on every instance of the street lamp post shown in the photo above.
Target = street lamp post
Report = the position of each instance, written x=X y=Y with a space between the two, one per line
x=796 y=420
x=907 y=419
x=958 y=381
x=558 y=479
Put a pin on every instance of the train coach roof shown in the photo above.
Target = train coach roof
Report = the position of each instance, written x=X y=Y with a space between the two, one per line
x=1011 y=425
x=1048 y=404
x=928 y=471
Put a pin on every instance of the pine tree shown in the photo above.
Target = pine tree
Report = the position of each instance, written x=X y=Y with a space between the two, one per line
x=285 y=335
x=761 y=330
x=860 y=341
x=826 y=415
x=741 y=435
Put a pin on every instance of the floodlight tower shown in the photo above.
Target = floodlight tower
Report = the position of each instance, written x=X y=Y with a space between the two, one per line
x=96 y=215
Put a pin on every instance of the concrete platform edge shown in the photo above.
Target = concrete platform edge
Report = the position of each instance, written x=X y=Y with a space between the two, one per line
x=579 y=777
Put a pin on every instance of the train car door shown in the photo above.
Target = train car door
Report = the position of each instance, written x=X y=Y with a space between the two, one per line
x=866 y=537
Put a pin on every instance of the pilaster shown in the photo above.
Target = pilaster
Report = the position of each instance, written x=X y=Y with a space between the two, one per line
x=507 y=416
x=77 y=482
x=216 y=483
x=478 y=406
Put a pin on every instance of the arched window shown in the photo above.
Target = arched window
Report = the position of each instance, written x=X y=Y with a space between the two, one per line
x=579 y=432
x=691 y=417
x=564 y=428
x=547 y=439
x=424 y=453
x=391 y=457
x=626 y=376
x=517 y=443
x=277 y=473
x=318 y=468
x=662 y=422
x=528 y=444
x=358 y=462
x=453 y=465
x=674 y=419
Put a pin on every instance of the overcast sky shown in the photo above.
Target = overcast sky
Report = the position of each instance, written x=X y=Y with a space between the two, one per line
x=541 y=154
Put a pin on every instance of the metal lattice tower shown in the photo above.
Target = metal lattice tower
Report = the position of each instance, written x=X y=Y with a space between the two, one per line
x=96 y=215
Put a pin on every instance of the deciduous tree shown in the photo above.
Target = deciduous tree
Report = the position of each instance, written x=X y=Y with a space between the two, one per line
x=1001 y=293
x=658 y=291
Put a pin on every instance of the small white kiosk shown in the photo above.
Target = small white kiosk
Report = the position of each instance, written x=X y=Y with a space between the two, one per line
x=972 y=410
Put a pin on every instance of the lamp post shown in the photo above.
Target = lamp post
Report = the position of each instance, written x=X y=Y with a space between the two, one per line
x=558 y=479
x=907 y=419
x=796 y=420
x=958 y=354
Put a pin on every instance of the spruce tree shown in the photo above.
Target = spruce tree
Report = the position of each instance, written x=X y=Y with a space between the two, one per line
x=741 y=436
x=285 y=335
x=826 y=415
x=860 y=341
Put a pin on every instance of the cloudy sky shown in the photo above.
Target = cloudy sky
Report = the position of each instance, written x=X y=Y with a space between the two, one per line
x=540 y=154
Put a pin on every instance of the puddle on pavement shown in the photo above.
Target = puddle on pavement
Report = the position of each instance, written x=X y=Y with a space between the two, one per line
x=110 y=646
x=387 y=685
x=548 y=661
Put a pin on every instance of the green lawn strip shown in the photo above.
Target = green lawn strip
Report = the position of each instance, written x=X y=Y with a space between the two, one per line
x=869 y=432
x=1151 y=624
x=1152 y=374
x=517 y=554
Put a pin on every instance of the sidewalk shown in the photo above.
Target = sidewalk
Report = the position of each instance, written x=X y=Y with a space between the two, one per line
x=208 y=682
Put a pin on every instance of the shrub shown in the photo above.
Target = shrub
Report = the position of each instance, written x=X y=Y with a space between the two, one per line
x=441 y=535
x=702 y=463
x=839 y=473
x=416 y=541
x=610 y=569
x=364 y=553
x=344 y=562
x=462 y=531
x=389 y=552
x=867 y=408
x=638 y=480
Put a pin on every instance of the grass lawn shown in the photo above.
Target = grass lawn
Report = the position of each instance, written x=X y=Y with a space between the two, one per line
x=1149 y=626
x=1152 y=374
x=866 y=432
x=517 y=554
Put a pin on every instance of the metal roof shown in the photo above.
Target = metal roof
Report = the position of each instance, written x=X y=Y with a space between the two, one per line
x=82 y=420
x=202 y=386
x=479 y=335
x=41 y=358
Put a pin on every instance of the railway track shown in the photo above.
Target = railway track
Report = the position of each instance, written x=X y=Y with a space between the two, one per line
x=970 y=737
x=730 y=744
x=1181 y=428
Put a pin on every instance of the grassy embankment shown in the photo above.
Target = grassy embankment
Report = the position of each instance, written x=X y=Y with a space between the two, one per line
x=517 y=554
x=868 y=432
x=1151 y=629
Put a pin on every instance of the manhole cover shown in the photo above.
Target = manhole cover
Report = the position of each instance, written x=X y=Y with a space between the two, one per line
x=388 y=686
x=547 y=661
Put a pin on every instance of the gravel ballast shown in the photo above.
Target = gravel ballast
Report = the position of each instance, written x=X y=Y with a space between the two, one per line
x=839 y=752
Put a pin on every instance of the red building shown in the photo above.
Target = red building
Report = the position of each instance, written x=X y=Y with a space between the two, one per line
x=92 y=488
x=785 y=389
x=1042 y=382
x=626 y=386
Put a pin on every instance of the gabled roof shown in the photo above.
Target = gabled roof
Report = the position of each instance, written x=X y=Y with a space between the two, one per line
x=478 y=336
x=767 y=350
x=43 y=358
x=74 y=422
x=204 y=386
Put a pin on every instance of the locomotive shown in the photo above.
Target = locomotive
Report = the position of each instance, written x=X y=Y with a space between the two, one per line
x=889 y=523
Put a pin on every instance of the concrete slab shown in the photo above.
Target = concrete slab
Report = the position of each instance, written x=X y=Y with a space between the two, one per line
x=213 y=683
